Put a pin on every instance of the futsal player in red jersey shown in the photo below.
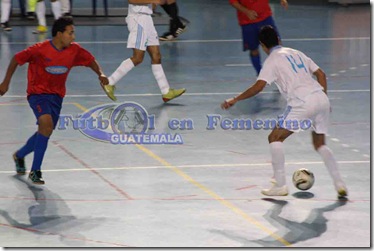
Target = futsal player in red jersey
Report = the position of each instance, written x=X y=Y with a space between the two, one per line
x=252 y=15
x=49 y=65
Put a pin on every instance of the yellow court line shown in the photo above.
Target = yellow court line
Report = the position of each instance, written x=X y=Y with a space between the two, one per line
x=214 y=195
x=206 y=190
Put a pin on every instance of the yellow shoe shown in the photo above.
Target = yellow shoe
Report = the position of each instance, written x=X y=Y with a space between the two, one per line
x=341 y=189
x=40 y=29
x=172 y=94
x=109 y=90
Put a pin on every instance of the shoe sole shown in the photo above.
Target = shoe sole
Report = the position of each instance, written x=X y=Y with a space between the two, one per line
x=38 y=182
x=167 y=100
x=165 y=39
x=102 y=86
x=39 y=32
x=275 y=195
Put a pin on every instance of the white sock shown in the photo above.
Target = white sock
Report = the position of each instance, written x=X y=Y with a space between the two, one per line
x=40 y=13
x=330 y=162
x=277 y=160
x=121 y=71
x=56 y=9
x=65 y=6
x=160 y=77
x=5 y=10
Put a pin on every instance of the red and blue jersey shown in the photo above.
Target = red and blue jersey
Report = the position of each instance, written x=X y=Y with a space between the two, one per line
x=49 y=67
x=262 y=8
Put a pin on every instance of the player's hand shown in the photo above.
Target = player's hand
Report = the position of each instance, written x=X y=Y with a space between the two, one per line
x=3 y=88
x=228 y=103
x=251 y=14
x=103 y=79
x=284 y=4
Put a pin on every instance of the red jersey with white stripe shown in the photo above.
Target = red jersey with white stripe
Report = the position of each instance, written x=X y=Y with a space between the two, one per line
x=262 y=8
x=49 y=67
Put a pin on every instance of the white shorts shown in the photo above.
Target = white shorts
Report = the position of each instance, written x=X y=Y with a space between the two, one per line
x=314 y=113
x=142 y=32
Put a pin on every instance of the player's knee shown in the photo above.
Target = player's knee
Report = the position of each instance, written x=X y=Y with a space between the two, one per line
x=46 y=130
x=273 y=138
x=317 y=145
x=254 y=53
x=156 y=58
x=136 y=60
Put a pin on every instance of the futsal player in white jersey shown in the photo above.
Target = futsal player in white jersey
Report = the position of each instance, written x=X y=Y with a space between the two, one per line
x=292 y=71
x=142 y=37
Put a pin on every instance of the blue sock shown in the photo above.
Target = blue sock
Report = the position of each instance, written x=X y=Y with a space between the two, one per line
x=41 y=143
x=28 y=148
x=256 y=61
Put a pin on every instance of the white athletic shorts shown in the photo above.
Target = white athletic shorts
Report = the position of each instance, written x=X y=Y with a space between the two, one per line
x=314 y=113
x=142 y=32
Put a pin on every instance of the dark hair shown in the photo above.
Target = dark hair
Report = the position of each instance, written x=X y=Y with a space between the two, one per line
x=60 y=25
x=268 y=36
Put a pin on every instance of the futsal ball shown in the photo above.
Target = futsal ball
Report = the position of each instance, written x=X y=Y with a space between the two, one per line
x=303 y=179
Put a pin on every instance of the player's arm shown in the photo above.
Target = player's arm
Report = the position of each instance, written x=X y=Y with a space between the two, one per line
x=4 y=86
x=321 y=78
x=250 y=13
x=94 y=65
x=250 y=92
x=147 y=1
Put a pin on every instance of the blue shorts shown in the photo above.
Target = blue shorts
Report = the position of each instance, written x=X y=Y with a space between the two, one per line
x=250 y=33
x=46 y=104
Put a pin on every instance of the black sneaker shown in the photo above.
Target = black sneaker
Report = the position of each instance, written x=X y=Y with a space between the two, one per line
x=168 y=36
x=68 y=14
x=180 y=30
x=36 y=177
x=30 y=15
x=6 y=26
x=20 y=165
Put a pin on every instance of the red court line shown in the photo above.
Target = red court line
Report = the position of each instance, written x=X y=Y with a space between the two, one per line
x=123 y=193
x=15 y=100
x=247 y=187
x=62 y=235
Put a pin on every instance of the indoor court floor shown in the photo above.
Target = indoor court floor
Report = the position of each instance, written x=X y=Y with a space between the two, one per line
x=206 y=191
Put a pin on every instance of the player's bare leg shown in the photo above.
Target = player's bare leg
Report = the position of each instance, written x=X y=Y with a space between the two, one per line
x=158 y=72
x=126 y=66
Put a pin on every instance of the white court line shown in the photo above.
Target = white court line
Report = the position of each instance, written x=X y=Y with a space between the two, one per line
x=236 y=65
x=212 y=40
x=186 y=94
x=197 y=166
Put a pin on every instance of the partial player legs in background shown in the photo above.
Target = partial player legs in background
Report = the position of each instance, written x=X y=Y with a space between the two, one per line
x=176 y=26
x=5 y=14
x=41 y=12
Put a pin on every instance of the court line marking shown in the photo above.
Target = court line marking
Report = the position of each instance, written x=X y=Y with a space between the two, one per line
x=196 y=166
x=210 y=40
x=185 y=94
x=89 y=168
x=209 y=192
